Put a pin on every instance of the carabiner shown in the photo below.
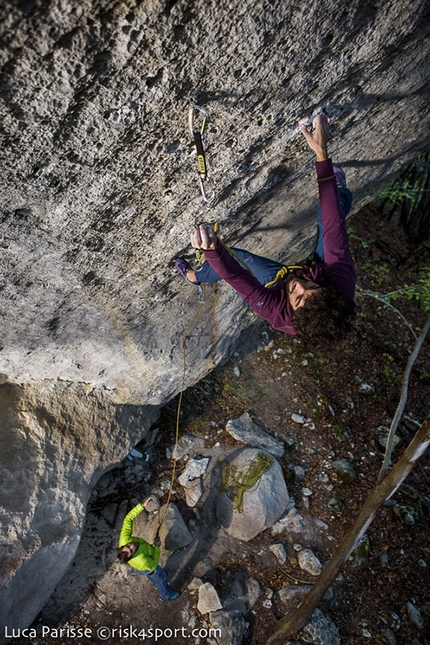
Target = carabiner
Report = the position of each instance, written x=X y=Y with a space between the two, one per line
x=197 y=136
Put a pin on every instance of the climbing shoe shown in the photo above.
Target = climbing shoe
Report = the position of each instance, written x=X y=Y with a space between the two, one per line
x=340 y=177
x=182 y=267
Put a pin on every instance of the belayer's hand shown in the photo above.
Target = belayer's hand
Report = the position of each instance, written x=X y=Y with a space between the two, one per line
x=317 y=139
x=204 y=238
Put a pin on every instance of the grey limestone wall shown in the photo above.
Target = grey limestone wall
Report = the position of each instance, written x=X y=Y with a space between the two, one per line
x=99 y=192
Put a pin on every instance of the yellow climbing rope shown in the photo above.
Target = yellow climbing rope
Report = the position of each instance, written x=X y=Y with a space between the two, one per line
x=178 y=411
x=237 y=481
x=197 y=136
x=234 y=482
x=282 y=273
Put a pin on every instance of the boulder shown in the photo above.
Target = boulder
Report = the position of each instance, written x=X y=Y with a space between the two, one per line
x=185 y=444
x=291 y=596
x=230 y=626
x=262 y=505
x=173 y=533
x=278 y=551
x=195 y=584
x=344 y=470
x=415 y=615
x=195 y=468
x=191 y=480
x=389 y=636
x=362 y=553
x=194 y=492
x=320 y=630
x=208 y=599
x=309 y=562
x=242 y=594
x=245 y=430
x=109 y=512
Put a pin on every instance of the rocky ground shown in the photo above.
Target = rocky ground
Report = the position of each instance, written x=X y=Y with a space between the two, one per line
x=325 y=408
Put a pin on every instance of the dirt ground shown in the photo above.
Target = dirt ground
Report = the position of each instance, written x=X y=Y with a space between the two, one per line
x=347 y=395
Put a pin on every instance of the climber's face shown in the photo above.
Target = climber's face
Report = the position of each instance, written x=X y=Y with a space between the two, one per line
x=130 y=549
x=299 y=291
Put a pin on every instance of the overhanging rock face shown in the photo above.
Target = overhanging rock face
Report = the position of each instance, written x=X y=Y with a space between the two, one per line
x=99 y=177
x=100 y=191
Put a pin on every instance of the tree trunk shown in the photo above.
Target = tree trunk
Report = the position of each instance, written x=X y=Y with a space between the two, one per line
x=290 y=625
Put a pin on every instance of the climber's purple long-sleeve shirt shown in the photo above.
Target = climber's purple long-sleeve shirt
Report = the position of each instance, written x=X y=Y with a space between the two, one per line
x=338 y=269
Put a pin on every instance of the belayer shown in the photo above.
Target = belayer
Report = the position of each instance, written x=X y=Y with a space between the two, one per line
x=141 y=555
x=315 y=302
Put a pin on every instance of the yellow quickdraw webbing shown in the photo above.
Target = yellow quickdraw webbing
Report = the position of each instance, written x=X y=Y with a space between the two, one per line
x=197 y=135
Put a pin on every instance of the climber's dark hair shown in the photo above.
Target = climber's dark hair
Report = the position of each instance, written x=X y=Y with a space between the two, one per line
x=324 y=319
x=123 y=556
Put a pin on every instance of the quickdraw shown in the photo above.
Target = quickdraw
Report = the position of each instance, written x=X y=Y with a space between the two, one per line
x=201 y=162
x=197 y=136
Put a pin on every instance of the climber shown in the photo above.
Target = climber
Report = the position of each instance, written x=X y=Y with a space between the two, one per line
x=141 y=555
x=315 y=302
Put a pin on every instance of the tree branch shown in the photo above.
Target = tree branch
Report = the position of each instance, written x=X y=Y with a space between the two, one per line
x=290 y=625
x=370 y=294
x=400 y=408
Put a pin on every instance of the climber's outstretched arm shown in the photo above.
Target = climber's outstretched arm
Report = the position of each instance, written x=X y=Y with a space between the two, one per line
x=338 y=263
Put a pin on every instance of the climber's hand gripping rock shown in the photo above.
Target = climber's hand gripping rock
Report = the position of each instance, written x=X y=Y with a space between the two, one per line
x=204 y=238
x=317 y=138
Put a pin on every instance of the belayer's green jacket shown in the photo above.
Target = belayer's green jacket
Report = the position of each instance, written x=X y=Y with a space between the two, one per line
x=147 y=556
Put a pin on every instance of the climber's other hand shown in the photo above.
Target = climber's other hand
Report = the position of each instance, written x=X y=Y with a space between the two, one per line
x=204 y=238
x=317 y=139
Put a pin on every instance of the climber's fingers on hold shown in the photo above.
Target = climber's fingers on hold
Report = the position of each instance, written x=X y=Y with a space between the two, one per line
x=320 y=128
x=203 y=237
x=321 y=123
x=305 y=132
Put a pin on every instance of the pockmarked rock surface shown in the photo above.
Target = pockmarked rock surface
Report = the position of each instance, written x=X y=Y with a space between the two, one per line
x=99 y=175
x=99 y=194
